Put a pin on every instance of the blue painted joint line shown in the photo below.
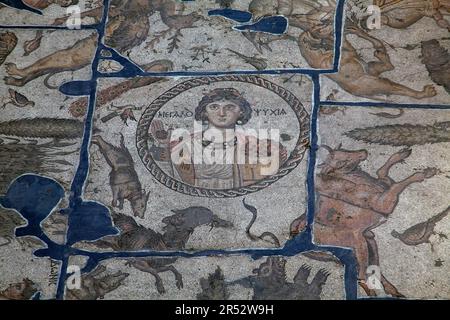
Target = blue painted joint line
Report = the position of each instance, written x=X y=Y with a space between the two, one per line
x=375 y=104
x=89 y=221
x=49 y=27
x=130 y=69
x=231 y=14
x=79 y=211
x=77 y=88
x=313 y=150
x=273 y=25
x=339 y=24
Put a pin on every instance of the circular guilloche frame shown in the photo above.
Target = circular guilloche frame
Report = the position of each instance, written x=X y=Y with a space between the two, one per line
x=290 y=164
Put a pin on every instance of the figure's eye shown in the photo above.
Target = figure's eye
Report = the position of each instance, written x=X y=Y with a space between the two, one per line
x=231 y=107
x=213 y=107
x=177 y=221
x=265 y=270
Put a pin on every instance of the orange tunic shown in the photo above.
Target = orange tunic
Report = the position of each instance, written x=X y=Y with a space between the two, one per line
x=237 y=174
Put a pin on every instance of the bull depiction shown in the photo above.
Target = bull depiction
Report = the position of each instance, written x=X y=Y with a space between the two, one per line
x=351 y=203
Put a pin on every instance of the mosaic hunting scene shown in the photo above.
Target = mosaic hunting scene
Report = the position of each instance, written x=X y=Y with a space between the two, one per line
x=224 y=149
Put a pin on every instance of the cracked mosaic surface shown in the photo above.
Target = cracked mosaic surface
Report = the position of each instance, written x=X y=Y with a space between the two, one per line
x=352 y=203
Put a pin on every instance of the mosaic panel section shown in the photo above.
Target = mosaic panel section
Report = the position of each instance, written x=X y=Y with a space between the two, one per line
x=382 y=189
x=398 y=54
x=254 y=35
x=134 y=157
x=213 y=278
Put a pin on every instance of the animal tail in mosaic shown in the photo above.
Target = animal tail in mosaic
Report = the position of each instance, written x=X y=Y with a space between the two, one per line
x=262 y=236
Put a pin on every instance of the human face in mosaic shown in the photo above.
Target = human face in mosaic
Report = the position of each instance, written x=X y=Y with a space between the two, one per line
x=223 y=114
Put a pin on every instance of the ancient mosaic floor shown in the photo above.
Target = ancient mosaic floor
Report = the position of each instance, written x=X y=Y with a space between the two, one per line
x=346 y=110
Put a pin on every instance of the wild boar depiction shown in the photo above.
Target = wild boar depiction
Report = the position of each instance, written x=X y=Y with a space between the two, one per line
x=123 y=178
x=351 y=203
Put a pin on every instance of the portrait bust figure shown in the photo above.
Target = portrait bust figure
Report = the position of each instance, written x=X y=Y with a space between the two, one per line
x=222 y=113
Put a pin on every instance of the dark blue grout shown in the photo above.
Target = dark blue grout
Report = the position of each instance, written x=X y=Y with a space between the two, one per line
x=313 y=152
x=339 y=20
x=81 y=174
x=215 y=73
x=50 y=27
x=344 y=255
x=384 y=105
x=301 y=243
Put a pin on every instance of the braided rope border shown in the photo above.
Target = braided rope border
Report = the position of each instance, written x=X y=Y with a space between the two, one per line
x=290 y=164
